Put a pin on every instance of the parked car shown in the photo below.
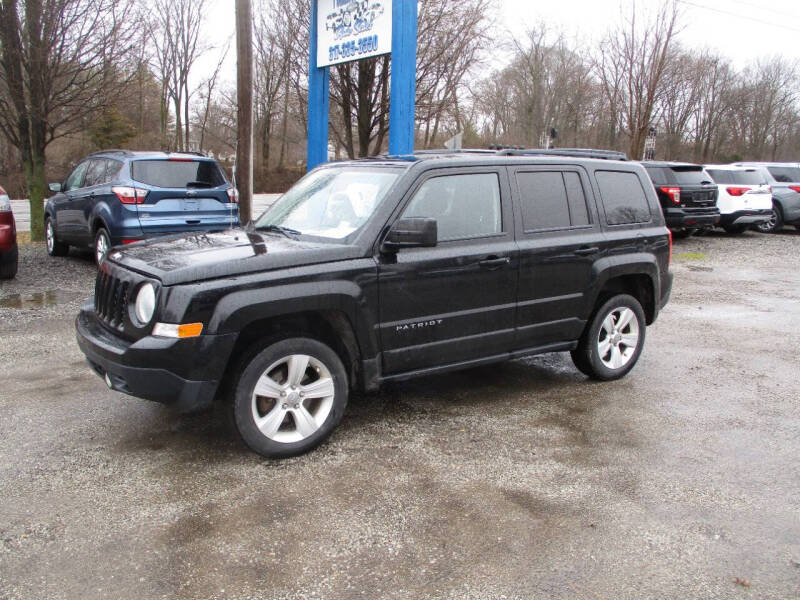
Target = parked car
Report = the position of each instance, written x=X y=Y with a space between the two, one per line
x=745 y=198
x=380 y=270
x=120 y=197
x=9 y=251
x=784 y=179
x=687 y=195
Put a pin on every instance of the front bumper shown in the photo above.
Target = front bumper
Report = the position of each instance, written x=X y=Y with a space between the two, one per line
x=184 y=374
x=745 y=217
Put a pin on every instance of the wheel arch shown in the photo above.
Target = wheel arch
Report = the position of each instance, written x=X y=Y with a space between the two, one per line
x=639 y=280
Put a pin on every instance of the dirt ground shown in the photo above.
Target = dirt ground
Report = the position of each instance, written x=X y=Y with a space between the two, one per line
x=517 y=481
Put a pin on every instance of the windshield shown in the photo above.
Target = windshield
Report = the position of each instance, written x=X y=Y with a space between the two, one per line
x=690 y=175
x=785 y=174
x=330 y=203
x=740 y=177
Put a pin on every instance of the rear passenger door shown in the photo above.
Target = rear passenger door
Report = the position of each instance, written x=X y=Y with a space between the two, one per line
x=455 y=302
x=559 y=239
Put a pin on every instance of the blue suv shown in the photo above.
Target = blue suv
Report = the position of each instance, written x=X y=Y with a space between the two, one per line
x=120 y=197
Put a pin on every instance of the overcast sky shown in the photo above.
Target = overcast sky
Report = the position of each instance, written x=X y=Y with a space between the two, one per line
x=741 y=29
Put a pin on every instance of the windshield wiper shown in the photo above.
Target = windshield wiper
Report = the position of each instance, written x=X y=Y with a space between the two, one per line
x=287 y=231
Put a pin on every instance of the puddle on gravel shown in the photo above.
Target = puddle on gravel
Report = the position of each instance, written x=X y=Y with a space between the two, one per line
x=36 y=300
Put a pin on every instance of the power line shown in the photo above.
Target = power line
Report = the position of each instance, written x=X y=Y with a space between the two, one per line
x=769 y=10
x=740 y=16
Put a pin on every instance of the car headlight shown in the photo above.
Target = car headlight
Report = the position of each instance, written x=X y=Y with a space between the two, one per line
x=145 y=303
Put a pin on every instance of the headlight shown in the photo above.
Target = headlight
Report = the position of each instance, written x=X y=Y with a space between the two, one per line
x=145 y=303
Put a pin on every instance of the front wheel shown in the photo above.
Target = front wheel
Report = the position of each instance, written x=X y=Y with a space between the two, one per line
x=613 y=342
x=54 y=247
x=289 y=397
x=775 y=222
x=102 y=244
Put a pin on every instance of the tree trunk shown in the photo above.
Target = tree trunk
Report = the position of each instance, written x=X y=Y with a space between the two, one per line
x=244 y=112
x=37 y=184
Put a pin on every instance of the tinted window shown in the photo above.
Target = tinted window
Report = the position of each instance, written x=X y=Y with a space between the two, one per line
x=657 y=174
x=726 y=177
x=464 y=206
x=177 y=173
x=623 y=197
x=552 y=200
x=785 y=174
x=113 y=168
x=95 y=173
x=75 y=180
x=689 y=175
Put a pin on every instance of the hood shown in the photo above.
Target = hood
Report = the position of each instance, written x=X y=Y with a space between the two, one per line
x=194 y=257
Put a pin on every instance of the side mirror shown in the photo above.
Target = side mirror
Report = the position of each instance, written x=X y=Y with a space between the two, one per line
x=412 y=232
x=54 y=187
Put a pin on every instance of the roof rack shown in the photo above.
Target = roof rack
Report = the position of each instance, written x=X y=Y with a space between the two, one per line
x=113 y=151
x=459 y=151
x=573 y=152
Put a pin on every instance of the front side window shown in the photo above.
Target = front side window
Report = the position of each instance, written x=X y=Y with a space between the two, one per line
x=623 y=197
x=75 y=180
x=552 y=200
x=464 y=206
x=330 y=203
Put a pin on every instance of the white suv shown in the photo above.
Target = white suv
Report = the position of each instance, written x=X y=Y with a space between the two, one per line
x=745 y=198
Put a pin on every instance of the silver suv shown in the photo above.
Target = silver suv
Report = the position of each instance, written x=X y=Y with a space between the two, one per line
x=785 y=181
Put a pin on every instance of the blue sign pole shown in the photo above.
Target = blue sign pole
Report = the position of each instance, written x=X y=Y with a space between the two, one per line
x=404 y=77
x=318 y=101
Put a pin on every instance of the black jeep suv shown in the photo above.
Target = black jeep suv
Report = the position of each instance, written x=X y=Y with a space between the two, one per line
x=379 y=270
x=687 y=195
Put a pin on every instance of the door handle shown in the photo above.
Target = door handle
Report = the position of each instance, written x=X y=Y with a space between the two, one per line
x=494 y=262
x=587 y=251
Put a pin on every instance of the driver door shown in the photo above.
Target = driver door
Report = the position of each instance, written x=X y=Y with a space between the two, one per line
x=453 y=303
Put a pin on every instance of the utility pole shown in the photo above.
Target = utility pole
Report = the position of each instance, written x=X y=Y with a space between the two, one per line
x=244 y=113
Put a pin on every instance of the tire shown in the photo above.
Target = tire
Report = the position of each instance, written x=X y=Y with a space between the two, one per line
x=289 y=417
x=775 y=223
x=735 y=229
x=9 y=263
x=54 y=247
x=595 y=355
x=680 y=234
x=102 y=244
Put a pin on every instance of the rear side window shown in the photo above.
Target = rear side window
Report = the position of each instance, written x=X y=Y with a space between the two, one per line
x=689 y=175
x=177 y=173
x=95 y=173
x=552 y=200
x=623 y=197
x=464 y=206
x=785 y=174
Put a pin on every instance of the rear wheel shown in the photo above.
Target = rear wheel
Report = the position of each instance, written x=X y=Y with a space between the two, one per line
x=775 y=222
x=613 y=342
x=54 y=247
x=102 y=244
x=8 y=263
x=288 y=398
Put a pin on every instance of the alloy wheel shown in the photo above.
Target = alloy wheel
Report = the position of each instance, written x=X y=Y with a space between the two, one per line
x=618 y=338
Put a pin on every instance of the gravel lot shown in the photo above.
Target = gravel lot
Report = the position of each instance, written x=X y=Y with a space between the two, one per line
x=516 y=481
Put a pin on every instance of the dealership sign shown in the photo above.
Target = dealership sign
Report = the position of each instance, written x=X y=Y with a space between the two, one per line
x=352 y=29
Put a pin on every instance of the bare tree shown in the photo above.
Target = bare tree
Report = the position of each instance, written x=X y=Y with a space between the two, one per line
x=62 y=62
x=631 y=64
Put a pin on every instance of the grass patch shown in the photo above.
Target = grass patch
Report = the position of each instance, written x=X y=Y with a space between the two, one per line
x=692 y=256
x=23 y=237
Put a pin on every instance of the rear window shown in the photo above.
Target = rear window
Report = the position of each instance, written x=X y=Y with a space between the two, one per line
x=727 y=177
x=623 y=197
x=178 y=173
x=657 y=174
x=689 y=175
x=785 y=174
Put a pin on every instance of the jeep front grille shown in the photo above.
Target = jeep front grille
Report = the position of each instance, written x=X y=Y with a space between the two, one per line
x=111 y=297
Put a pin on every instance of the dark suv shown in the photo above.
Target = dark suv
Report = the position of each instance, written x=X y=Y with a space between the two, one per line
x=380 y=270
x=119 y=197
x=687 y=195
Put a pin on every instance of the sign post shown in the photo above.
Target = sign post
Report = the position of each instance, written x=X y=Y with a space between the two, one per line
x=348 y=30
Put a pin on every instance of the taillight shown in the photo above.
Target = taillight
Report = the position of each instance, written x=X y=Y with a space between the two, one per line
x=795 y=188
x=233 y=194
x=737 y=191
x=129 y=195
x=674 y=193
x=3 y=192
